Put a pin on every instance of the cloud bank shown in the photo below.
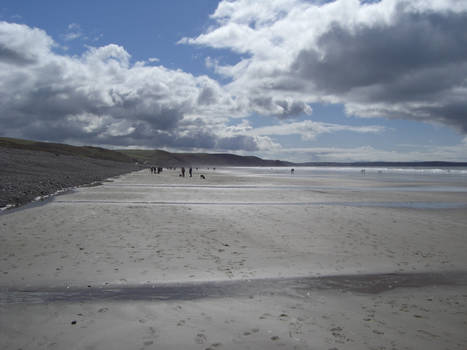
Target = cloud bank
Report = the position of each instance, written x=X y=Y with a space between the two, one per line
x=392 y=58
x=101 y=98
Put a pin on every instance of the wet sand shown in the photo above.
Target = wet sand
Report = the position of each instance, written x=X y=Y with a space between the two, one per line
x=159 y=261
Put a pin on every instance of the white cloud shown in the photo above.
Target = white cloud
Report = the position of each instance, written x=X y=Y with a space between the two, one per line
x=309 y=130
x=391 y=58
x=20 y=44
x=455 y=153
x=73 y=32
x=102 y=98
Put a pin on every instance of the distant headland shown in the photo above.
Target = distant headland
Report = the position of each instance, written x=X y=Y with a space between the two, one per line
x=174 y=159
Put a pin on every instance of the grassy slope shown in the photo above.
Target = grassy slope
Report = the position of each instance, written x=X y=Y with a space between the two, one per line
x=148 y=157
x=63 y=149
x=163 y=158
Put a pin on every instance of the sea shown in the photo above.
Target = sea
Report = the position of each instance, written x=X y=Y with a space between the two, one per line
x=447 y=179
x=413 y=173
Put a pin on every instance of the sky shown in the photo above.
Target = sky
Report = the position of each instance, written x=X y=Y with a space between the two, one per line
x=297 y=80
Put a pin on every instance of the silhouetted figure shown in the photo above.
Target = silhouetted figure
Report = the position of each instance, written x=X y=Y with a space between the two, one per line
x=292 y=171
x=190 y=171
x=183 y=171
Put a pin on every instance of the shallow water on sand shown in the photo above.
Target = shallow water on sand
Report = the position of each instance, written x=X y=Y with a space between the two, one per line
x=413 y=205
x=387 y=173
x=412 y=188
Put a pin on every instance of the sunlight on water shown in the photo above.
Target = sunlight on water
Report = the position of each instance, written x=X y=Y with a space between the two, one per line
x=453 y=179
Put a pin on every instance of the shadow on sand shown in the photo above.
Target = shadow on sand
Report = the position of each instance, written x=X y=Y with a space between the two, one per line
x=294 y=286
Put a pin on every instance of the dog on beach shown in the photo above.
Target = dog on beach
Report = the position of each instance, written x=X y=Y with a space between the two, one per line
x=203 y=177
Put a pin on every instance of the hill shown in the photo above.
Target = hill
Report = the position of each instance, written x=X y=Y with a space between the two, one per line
x=148 y=157
x=64 y=149
x=30 y=169
x=167 y=159
x=172 y=159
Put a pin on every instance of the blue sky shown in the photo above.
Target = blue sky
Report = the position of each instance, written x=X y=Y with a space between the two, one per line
x=297 y=80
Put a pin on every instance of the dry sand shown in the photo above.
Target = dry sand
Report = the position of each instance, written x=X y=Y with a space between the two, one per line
x=235 y=262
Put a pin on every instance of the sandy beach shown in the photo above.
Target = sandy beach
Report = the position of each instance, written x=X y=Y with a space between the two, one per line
x=237 y=261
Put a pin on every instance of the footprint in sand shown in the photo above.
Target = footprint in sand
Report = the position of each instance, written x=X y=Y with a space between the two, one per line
x=200 y=338
x=251 y=331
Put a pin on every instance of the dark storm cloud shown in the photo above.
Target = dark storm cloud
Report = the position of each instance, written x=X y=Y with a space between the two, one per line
x=389 y=58
x=278 y=107
x=421 y=57
x=385 y=54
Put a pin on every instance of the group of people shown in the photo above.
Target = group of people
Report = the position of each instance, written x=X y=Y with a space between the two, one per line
x=190 y=171
x=156 y=170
